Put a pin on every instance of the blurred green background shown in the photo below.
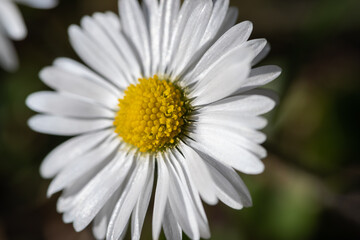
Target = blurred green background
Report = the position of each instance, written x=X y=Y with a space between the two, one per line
x=311 y=186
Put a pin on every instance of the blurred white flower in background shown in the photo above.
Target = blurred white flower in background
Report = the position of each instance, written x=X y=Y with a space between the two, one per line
x=12 y=26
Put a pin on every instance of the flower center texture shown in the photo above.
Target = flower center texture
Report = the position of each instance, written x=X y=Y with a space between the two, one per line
x=152 y=115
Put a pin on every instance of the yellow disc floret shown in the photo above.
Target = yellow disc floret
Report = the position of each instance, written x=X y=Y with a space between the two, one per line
x=152 y=114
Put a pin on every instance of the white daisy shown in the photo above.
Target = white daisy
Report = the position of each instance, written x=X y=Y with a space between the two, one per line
x=169 y=87
x=12 y=26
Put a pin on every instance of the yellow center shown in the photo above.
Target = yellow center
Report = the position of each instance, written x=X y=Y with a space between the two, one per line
x=152 y=114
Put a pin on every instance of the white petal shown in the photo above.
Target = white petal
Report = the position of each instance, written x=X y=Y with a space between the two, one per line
x=226 y=44
x=230 y=188
x=66 y=126
x=128 y=199
x=44 y=4
x=181 y=204
x=142 y=204
x=234 y=120
x=66 y=105
x=248 y=105
x=101 y=220
x=260 y=47
x=216 y=20
x=269 y=93
x=110 y=23
x=70 y=197
x=200 y=174
x=161 y=195
x=152 y=13
x=259 y=77
x=66 y=199
x=264 y=52
x=134 y=28
x=192 y=22
x=64 y=81
x=12 y=21
x=100 y=225
x=225 y=150
x=89 y=161
x=95 y=194
x=237 y=55
x=8 y=57
x=244 y=131
x=239 y=128
x=95 y=31
x=223 y=79
x=75 y=70
x=257 y=45
x=63 y=154
x=169 y=13
x=253 y=135
x=178 y=161
x=227 y=133
x=171 y=227
x=95 y=57
x=229 y=21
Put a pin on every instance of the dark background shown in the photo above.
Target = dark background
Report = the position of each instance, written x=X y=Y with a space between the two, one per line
x=310 y=188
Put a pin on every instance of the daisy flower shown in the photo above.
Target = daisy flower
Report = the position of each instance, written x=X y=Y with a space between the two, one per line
x=167 y=106
x=12 y=26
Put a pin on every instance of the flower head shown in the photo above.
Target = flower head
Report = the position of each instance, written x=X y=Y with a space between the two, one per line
x=169 y=96
x=12 y=26
x=152 y=115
